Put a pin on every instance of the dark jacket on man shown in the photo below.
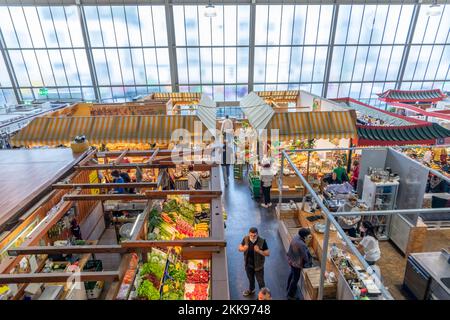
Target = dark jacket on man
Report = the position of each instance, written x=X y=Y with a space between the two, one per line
x=298 y=254
x=252 y=258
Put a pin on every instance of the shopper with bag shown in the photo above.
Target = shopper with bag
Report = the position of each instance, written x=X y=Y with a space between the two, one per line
x=193 y=179
x=266 y=182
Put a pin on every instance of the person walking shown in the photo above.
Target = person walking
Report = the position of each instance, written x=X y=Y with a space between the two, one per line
x=227 y=128
x=298 y=257
x=266 y=182
x=255 y=251
x=227 y=160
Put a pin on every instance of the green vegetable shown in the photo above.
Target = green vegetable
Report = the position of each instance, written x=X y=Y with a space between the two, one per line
x=147 y=290
x=156 y=265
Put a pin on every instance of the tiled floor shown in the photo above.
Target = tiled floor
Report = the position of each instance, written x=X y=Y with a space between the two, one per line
x=393 y=262
x=243 y=213
x=110 y=261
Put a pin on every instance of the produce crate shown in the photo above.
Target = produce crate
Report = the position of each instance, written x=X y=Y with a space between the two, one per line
x=238 y=171
x=255 y=185
x=181 y=184
x=312 y=283
x=93 y=288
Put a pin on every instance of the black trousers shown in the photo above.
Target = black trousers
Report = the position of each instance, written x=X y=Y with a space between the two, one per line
x=266 y=194
x=252 y=274
x=294 y=276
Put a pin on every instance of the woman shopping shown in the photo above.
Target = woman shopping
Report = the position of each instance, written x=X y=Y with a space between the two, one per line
x=266 y=182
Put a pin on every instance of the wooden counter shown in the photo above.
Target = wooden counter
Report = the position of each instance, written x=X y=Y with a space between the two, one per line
x=317 y=241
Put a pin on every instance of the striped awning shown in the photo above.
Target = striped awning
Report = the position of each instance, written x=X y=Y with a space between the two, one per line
x=52 y=131
x=256 y=110
x=314 y=125
x=206 y=111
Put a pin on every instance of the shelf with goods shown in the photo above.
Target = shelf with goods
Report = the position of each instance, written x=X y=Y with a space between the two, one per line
x=435 y=157
x=176 y=218
x=380 y=195
x=167 y=276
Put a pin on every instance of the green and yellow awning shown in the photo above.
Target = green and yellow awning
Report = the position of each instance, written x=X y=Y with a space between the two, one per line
x=314 y=125
x=53 y=131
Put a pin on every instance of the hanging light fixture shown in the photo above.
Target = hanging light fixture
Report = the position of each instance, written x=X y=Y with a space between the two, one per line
x=210 y=11
x=434 y=10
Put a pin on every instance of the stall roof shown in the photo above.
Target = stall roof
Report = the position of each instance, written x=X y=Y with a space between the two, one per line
x=174 y=96
x=290 y=95
x=401 y=135
x=26 y=173
x=315 y=125
x=256 y=110
x=206 y=111
x=105 y=129
x=388 y=117
x=412 y=96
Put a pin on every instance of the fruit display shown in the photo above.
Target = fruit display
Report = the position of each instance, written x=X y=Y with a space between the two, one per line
x=198 y=276
x=197 y=280
x=198 y=291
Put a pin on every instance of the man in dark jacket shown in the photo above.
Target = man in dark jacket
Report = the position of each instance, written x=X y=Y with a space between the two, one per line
x=298 y=257
x=255 y=250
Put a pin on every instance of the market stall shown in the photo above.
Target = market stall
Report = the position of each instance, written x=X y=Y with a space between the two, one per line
x=320 y=123
x=50 y=251
x=390 y=195
x=341 y=272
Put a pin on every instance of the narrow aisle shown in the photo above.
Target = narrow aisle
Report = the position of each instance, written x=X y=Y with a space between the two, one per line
x=243 y=213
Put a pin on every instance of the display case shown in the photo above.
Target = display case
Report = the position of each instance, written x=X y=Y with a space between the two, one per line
x=380 y=196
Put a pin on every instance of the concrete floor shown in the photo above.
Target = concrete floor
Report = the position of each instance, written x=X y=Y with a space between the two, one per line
x=243 y=213
x=393 y=262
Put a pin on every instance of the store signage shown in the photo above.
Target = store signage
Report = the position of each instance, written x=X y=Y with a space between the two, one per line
x=43 y=92
x=93 y=178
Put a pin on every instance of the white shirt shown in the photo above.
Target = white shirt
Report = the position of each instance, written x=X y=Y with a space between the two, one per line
x=227 y=126
x=192 y=179
x=371 y=249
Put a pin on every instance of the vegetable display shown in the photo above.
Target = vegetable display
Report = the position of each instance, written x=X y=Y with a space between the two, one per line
x=147 y=290
x=179 y=219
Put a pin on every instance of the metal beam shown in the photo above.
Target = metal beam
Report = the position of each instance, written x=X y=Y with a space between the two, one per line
x=58 y=277
x=409 y=38
x=201 y=2
x=104 y=185
x=251 y=49
x=171 y=42
x=165 y=164
x=326 y=77
x=88 y=49
x=148 y=195
x=10 y=69
x=145 y=245
x=66 y=250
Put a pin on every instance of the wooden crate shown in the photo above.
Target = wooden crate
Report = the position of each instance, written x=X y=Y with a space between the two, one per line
x=284 y=211
x=312 y=283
